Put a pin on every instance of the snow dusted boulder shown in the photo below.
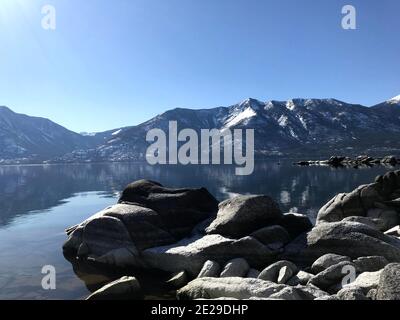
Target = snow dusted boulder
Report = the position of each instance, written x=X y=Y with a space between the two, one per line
x=191 y=254
x=242 y=215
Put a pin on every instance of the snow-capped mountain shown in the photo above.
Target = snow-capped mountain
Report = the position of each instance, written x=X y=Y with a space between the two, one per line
x=294 y=127
x=22 y=136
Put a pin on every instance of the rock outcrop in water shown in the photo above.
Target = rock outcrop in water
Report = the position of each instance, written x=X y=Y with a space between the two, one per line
x=246 y=248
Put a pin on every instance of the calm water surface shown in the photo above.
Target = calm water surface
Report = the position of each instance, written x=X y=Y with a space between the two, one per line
x=37 y=203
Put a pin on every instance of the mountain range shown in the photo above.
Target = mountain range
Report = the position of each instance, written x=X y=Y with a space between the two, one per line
x=295 y=127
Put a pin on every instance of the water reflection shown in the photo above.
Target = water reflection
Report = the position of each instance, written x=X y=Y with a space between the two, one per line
x=24 y=189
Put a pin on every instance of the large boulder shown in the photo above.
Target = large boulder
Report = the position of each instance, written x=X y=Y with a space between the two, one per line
x=372 y=200
x=389 y=283
x=125 y=288
x=179 y=209
x=147 y=215
x=349 y=239
x=191 y=254
x=295 y=223
x=242 y=215
x=272 y=235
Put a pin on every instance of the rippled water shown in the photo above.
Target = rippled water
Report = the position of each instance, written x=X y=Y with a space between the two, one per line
x=37 y=203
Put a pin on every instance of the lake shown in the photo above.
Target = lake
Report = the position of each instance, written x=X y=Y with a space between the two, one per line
x=37 y=203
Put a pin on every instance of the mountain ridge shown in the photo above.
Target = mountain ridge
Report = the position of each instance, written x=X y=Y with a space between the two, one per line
x=282 y=128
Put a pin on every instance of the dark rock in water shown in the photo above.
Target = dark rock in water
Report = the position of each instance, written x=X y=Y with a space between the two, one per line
x=390 y=160
x=389 y=283
x=327 y=261
x=235 y=268
x=191 y=254
x=272 y=234
x=180 y=209
x=295 y=223
x=117 y=234
x=210 y=269
x=242 y=215
x=344 y=238
x=125 y=288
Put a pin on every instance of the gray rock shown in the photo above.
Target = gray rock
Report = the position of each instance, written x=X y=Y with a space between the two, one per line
x=178 y=280
x=311 y=292
x=239 y=288
x=191 y=254
x=288 y=293
x=285 y=273
x=179 y=209
x=331 y=276
x=327 y=298
x=366 y=281
x=351 y=294
x=377 y=224
x=272 y=234
x=301 y=278
x=326 y=261
x=210 y=269
x=295 y=224
x=271 y=273
x=349 y=239
x=235 y=268
x=389 y=218
x=125 y=288
x=242 y=215
x=253 y=273
x=389 y=283
x=370 y=264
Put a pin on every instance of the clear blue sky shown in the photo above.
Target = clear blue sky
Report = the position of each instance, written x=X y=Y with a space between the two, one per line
x=112 y=63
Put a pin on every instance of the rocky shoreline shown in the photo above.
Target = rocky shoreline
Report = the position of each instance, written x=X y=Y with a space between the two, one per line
x=245 y=247
x=340 y=161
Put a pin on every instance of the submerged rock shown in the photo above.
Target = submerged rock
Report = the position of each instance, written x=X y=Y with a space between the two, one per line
x=125 y=288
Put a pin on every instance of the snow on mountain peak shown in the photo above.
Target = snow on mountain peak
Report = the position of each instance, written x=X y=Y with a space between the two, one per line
x=239 y=116
x=395 y=99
